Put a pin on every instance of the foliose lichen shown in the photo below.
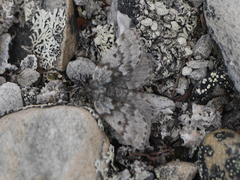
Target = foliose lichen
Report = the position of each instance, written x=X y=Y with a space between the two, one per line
x=47 y=35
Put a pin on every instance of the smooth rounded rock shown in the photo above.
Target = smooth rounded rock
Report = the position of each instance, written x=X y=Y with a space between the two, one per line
x=219 y=155
x=222 y=19
x=10 y=97
x=60 y=142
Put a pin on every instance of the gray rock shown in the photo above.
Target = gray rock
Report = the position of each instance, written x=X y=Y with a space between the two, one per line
x=197 y=64
x=198 y=74
x=29 y=62
x=196 y=3
x=60 y=142
x=80 y=69
x=176 y=171
x=222 y=18
x=144 y=175
x=5 y=39
x=2 y=80
x=7 y=8
x=80 y=2
x=27 y=77
x=203 y=48
x=10 y=97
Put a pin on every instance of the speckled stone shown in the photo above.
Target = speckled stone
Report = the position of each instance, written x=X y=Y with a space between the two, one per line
x=219 y=155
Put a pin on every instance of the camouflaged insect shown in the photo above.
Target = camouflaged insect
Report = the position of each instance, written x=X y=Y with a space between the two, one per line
x=116 y=81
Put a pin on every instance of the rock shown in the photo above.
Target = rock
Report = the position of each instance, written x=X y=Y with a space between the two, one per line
x=80 y=2
x=197 y=64
x=144 y=175
x=2 y=80
x=222 y=19
x=6 y=15
x=27 y=77
x=80 y=69
x=10 y=97
x=203 y=48
x=219 y=155
x=196 y=3
x=5 y=39
x=60 y=142
x=54 y=33
x=29 y=62
x=231 y=120
x=176 y=171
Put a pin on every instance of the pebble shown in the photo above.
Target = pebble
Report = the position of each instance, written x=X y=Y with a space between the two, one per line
x=5 y=40
x=10 y=97
x=203 y=48
x=176 y=171
x=219 y=155
x=61 y=142
x=27 y=77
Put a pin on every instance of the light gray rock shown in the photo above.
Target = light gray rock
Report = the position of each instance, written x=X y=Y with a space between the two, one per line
x=27 y=77
x=7 y=8
x=203 y=48
x=80 y=69
x=10 y=97
x=198 y=74
x=60 y=142
x=176 y=171
x=222 y=18
x=2 y=80
x=5 y=39
x=29 y=62
x=80 y=2
x=196 y=3
x=197 y=64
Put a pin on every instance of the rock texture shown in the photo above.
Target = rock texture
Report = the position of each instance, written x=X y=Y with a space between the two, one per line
x=219 y=155
x=10 y=97
x=176 y=171
x=60 y=142
x=222 y=18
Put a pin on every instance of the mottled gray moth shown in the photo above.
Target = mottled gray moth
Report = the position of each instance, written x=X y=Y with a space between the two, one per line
x=116 y=81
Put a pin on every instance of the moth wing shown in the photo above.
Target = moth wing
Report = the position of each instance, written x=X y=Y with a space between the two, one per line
x=130 y=116
x=125 y=65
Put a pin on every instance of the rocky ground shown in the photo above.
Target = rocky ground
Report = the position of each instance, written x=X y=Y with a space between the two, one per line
x=54 y=123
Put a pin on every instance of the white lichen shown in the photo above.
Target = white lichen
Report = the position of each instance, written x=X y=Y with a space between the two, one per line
x=108 y=159
x=28 y=7
x=47 y=34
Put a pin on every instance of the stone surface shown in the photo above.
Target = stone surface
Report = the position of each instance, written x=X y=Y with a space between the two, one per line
x=176 y=171
x=54 y=33
x=10 y=97
x=6 y=15
x=222 y=19
x=5 y=39
x=27 y=77
x=80 y=2
x=219 y=155
x=80 y=69
x=203 y=48
x=60 y=142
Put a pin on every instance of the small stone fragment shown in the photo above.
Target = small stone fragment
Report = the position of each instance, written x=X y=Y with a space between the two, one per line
x=198 y=74
x=7 y=10
x=10 y=97
x=197 y=64
x=27 y=77
x=80 y=2
x=60 y=142
x=203 y=48
x=176 y=171
x=196 y=3
x=219 y=155
x=29 y=62
x=186 y=71
x=5 y=39
x=80 y=70
x=2 y=80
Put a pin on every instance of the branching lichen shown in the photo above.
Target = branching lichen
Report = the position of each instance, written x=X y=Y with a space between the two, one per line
x=47 y=34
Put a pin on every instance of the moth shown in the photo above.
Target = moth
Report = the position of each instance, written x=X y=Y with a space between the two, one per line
x=115 y=90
